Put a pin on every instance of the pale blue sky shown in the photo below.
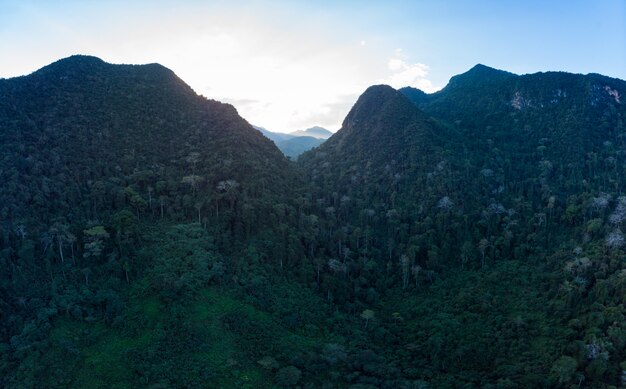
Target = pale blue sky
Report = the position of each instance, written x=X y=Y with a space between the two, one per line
x=288 y=65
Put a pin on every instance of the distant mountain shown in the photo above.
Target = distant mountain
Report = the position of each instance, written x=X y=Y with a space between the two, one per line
x=297 y=145
x=274 y=136
x=315 y=132
x=297 y=142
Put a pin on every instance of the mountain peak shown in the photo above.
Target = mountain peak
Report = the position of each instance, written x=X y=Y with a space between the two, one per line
x=479 y=67
x=80 y=58
x=77 y=62
x=373 y=100
x=479 y=73
x=315 y=132
x=379 y=90
x=380 y=115
x=480 y=70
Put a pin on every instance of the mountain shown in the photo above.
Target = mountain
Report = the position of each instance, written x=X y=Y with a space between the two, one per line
x=116 y=108
x=274 y=136
x=472 y=237
x=121 y=186
x=81 y=137
x=383 y=117
x=296 y=143
x=315 y=132
x=517 y=180
x=565 y=115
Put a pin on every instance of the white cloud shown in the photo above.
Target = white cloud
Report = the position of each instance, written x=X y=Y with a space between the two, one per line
x=404 y=74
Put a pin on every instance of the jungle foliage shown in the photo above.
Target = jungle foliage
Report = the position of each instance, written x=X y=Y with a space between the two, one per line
x=469 y=238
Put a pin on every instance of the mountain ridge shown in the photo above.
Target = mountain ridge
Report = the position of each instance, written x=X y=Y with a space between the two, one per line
x=495 y=168
x=295 y=143
x=315 y=132
x=149 y=236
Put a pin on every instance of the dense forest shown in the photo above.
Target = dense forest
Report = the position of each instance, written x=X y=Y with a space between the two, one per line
x=469 y=238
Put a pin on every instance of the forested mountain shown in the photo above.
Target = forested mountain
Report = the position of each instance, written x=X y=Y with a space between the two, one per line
x=81 y=126
x=577 y=112
x=95 y=157
x=467 y=238
x=515 y=177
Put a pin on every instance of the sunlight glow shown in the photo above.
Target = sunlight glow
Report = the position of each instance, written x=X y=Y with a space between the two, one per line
x=291 y=65
x=278 y=80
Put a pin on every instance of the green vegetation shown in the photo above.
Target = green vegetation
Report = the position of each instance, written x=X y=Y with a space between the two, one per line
x=470 y=238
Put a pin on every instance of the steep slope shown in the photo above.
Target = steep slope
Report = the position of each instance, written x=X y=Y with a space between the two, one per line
x=94 y=155
x=495 y=167
x=578 y=112
x=81 y=123
x=375 y=181
x=384 y=117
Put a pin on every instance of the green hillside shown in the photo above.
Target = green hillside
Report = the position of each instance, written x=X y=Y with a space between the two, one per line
x=469 y=238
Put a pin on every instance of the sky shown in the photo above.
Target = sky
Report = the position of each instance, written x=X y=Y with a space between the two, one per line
x=290 y=65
